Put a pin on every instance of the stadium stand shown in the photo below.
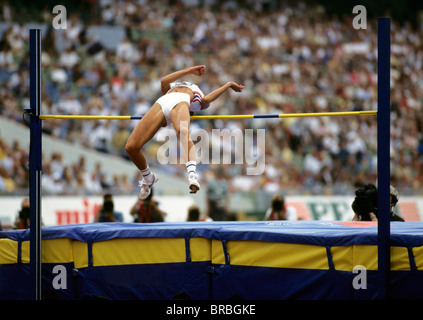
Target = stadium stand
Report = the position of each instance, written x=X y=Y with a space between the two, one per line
x=293 y=58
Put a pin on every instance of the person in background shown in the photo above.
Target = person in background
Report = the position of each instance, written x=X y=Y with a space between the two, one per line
x=194 y=214
x=107 y=212
x=279 y=210
x=147 y=210
x=218 y=196
x=365 y=204
x=23 y=218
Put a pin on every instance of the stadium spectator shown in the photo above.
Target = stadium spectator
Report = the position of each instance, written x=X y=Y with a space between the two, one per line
x=365 y=204
x=147 y=210
x=279 y=210
x=218 y=196
x=107 y=211
x=23 y=219
x=194 y=214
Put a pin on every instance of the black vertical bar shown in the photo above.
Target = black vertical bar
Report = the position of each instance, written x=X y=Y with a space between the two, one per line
x=35 y=163
x=383 y=163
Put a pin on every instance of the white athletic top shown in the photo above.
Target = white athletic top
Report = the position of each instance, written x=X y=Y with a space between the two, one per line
x=198 y=94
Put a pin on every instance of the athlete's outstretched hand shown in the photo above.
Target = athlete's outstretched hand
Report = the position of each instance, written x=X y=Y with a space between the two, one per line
x=198 y=70
x=236 y=87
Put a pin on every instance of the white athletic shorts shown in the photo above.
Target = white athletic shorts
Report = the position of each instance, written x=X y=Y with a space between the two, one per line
x=169 y=101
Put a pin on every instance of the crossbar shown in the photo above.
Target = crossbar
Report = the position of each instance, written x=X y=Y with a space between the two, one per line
x=234 y=116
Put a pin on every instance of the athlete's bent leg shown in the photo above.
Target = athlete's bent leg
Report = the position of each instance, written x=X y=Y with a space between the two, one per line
x=181 y=121
x=146 y=128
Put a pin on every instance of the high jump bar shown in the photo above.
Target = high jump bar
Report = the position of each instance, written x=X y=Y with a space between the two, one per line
x=235 y=116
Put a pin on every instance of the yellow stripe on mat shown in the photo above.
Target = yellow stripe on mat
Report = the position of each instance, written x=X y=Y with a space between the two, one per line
x=57 y=250
x=200 y=249
x=418 y=257
x=80 y=251
x=301 y=256
x=8 y=251
x=52 y=251
x=271 y=254
x=121 y=251
x=347 y=257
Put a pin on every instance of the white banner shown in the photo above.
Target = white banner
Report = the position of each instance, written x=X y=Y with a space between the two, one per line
x=339 y=207
x=78 y=209
x=74 y=210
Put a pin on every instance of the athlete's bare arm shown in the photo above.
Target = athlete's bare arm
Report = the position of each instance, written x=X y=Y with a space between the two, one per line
x=216 y=93
x=167 y=80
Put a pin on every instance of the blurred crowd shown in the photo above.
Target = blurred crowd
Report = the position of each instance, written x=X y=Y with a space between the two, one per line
x=291 y=57
x=58 y=177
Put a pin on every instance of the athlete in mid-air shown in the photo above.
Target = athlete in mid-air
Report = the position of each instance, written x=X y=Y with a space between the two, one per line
x=178 y=99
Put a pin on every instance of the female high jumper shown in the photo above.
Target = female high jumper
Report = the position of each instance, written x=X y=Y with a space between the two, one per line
x=174 y=106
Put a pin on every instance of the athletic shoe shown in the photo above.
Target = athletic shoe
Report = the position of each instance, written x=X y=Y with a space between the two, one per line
x=146 y=187
x=194 y=185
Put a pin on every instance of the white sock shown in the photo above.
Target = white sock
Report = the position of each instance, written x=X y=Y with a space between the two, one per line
x=191 y=167
x=146 y=174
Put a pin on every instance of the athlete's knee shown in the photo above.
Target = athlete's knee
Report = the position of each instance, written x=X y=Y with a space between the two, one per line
x=131 y=147
x=128 y=147
x=184 y=129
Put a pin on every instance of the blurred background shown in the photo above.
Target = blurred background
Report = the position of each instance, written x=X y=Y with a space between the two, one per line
x=292 y=56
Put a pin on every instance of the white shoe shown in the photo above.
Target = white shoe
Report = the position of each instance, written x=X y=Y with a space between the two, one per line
x=194 y=185
x=146 y=187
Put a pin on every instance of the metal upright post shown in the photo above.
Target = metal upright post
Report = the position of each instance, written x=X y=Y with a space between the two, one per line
x=35 y=165
x=383 y=156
